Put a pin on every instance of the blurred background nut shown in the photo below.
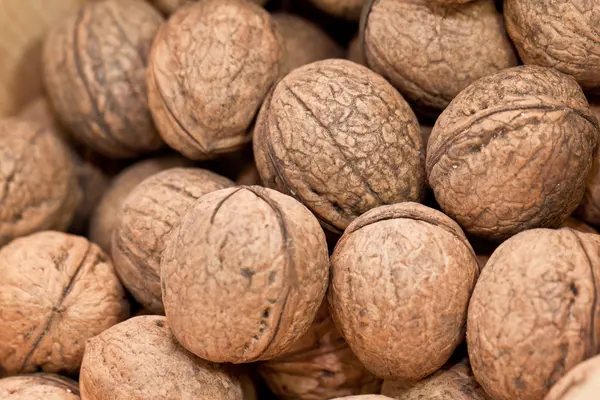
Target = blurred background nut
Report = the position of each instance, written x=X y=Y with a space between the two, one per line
x=57 y=290
x=589 y=209
x=170 y=6
x=38 y=386
x=581 y=383
x=363 y=397
x=348 y=9
x=354 y=52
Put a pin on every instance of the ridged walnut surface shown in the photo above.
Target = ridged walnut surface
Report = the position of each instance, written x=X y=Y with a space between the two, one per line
x=94 y=69
x=534 y=313
x=57 y=291
x=170 y=6
x=401 y=279
x=244 y=274
x=512 y=152
x=147 y=216
x=210 y=68
x=140 y=359
x=589 y=209
x=347 y=9
x=431 y=52
x=38 y=387
x=340 y=139
x=581 y=383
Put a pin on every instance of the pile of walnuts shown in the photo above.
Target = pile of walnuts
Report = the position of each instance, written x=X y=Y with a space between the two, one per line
x=334 y=199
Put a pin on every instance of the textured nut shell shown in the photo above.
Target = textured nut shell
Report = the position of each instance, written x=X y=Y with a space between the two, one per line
x=581 y=383
x=210 y=68
x=319 y=366
x=39 y=187
x=38 y=387
x=578 y=226
x=94 y=69
x=355 y=51
x=533 y=315
x=512 y=152
x=561 y=34
x=431 y=52
x=342 y=140
x=243 y=274
x=348 y=9
x=147 y=216
x=589 y=209
x=140 y=359
x=170 y=6
x=57 y=290
x=396 y=270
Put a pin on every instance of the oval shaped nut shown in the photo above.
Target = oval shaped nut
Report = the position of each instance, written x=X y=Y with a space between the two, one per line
x=38 y=386
x=581 y=383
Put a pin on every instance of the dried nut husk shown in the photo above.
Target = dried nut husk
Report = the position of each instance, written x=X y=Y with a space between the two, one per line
x=347 y=9
x=589 y=209
x=38 y=386
x=168 y=7
x=243 y=274
x=581 y=383
x=512 y=152
x=534 y=315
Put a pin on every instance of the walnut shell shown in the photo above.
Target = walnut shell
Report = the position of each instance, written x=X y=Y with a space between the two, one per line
x=560 y=34
x=204 y=93
x=37 y=175
x=347 y=9
x=243 y=274
x=57 y=290
x=168 y=7
x=431 y=52
x=533 y=315
x=340 y=139
x=94 y=70
x=415 y=261
x=38 y=387
x=354 y=52
x=589 y=209
x=578 y=226
x=147 y=216
x=581 y=383
x=140 y=359
x=512 y=152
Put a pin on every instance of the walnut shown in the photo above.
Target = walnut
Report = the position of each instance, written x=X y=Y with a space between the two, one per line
x=512 y=152
x=38 y=386
x=589 y=209
x=415 y=261
x=147 y=216
x=342 y=140
x=243 y=274
x=37 y=175
x=168 y=7
x=533 y=315
x=347 y=9
x=319 y=366
x=94 y=69
x=140 y=358
x=355 y=51
x=431 y=52
x=560 y=34
x=581 y=383
x=57 y=290
x=210 y=68
x=40 y=111
x=578 y=226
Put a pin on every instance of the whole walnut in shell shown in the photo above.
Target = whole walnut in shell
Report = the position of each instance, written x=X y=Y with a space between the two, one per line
x=512 y=152
x=38 y=181
x=581 y=383
x=533 y=315
x=57 y=291
x=140 y=359
x=170 y=6
x=210 y=68
x=319 y=366
x=243 y=274
x=340 y=139
x=589 y=209
x=147 y=216
x=401 y=280
x=39 y=386
x=347 y=9
x=94 y=69
x=431 y=52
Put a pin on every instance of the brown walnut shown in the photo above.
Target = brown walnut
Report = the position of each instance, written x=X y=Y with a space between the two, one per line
x=401 y=279
x=340 y=139
x=581 y=383
x=39 y=386
x=140 y=359
x=94 y=69
x=512 y=152
x=534 y=315
x=243 y=274
x=347 y=9
x=589 y=209
x=431 y=52
x=168 y=7
x=147 y=216
x=210 y=68
x=57 y=291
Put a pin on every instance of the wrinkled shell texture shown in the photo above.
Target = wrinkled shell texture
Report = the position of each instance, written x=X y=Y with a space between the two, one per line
x=581 y=383
x=562 y=34
x=512 y=152
x=148 y=215
x=211 y=66
x=415 y=261
x=105 y=217
x=348 y=9
x=38 y=387
x=57 y=290
x=244 y=274
x=589 y=209
x=340 y=139
x=38 y=185
x=432 y=52
x=534 y=314
x=140 y=359
x=319 y=366
x=170 y=6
